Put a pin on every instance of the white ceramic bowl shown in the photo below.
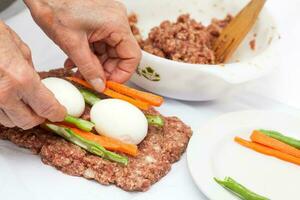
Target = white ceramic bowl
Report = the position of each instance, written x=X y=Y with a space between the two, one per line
x=195 y=81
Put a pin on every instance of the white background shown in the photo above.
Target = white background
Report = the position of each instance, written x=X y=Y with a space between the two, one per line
x=23 y=176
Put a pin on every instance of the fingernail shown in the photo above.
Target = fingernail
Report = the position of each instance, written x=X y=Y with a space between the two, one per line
x=98 y=84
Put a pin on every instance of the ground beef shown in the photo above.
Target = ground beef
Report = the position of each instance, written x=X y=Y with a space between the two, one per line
x=185 y=40
x=252 y=44
x=218 y=25
x=157 y=152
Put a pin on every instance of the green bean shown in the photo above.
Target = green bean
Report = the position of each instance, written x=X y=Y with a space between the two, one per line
x=239 y=189
x=80 y=123
x=88 y=145
x=155 y=120
x=285 y=139
x=91 y=98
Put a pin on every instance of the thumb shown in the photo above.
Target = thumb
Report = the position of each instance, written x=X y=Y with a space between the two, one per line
x=87 y=63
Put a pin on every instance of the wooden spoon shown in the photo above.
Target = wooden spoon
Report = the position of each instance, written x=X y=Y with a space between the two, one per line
x=236 y=30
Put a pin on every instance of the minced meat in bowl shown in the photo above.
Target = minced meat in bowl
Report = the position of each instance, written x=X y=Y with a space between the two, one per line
x=176 y=39
x=185 y=40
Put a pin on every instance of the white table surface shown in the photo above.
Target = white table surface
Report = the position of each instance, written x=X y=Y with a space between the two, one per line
x=277 y=91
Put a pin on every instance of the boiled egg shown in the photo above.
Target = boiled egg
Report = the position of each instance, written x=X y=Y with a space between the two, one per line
x=66 y=94
x=120 y=120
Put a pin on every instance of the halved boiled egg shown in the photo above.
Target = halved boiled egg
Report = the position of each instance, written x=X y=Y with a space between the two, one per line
x=120 y=120
x=66 y=94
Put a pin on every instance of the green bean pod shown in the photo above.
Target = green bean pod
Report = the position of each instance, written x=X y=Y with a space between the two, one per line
x=239 y=190
x=91 y=98
x=90 y=146
x=155 y=120
x=80 y=123
x=285 y=139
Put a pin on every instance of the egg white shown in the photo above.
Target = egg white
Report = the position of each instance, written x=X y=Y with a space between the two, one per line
x=66 y=94
x=120 y=120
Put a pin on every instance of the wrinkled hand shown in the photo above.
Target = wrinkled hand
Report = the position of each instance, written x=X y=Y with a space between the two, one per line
x=95 y=34
x=24 y=100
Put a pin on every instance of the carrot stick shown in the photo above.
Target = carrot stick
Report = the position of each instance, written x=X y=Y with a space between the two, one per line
x=152 y=99
x=261 y=138
x=107 y=142
x=267 y=151
x=80 y=82
x=138 y=103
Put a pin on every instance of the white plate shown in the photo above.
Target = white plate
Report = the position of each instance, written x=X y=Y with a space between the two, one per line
x=213 y=153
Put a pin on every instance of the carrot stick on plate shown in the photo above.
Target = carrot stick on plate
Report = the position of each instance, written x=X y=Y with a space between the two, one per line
x=263 y=139
x=267 y=150
x=285 y=139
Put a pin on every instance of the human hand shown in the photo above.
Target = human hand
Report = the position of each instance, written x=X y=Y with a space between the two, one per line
x=95 y=34
x=24 y=101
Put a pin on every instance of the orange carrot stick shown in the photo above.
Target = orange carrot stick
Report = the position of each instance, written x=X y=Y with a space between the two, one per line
x=152 y=99
x=261 y=138
x=138 y=103
x=267 y=151
x=80 y=82
x=107 y=142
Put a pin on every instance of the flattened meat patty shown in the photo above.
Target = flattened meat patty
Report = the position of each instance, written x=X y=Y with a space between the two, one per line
x=161 y=148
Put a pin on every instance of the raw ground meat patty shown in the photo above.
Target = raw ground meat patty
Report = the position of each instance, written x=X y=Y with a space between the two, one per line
x=185 y=40
x=161 y=148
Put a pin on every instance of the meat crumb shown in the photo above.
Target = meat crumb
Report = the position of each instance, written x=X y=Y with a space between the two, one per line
x=185 y=40
x=252 y=44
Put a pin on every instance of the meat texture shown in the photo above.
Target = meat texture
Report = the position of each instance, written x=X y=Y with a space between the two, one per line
x=157 y=152
x=185 y=40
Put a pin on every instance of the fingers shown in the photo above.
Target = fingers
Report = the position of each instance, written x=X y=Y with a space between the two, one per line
x=111 y=64
x=25 y=100
x=119 y=57
x=13 y=111
x=112 y=53
x=100 y=47
x=26 y=87
x=103 y=58
x=21 y=115
x=118 y=66
x=5 y=121
x=22 y=46
x=129 y=53
x=44 y=104
x=87 y=62
x=69 y=64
